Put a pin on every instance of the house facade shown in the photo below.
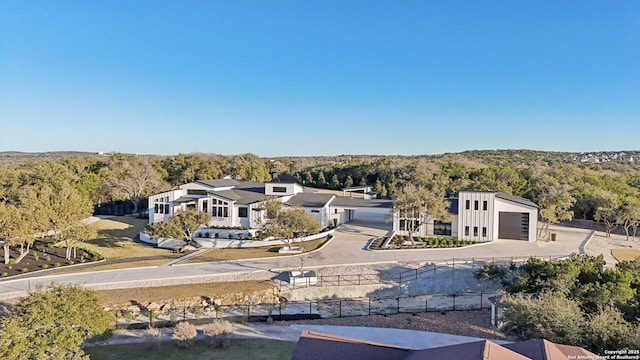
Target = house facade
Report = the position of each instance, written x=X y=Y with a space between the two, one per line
x=479 y=216
x=233 y=203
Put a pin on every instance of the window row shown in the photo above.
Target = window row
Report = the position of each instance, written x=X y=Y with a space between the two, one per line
x=476 y=203
x=475 y=231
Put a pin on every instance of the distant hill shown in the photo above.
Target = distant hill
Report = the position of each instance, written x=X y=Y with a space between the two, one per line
x=18 y=156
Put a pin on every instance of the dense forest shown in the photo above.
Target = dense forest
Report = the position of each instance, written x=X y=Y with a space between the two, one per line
x=605 y=192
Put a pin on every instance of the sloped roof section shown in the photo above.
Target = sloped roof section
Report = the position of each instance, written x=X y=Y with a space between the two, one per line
x=312 y=200
x=357 y=202
x=541 y=349
x=477 y=350
x=318 y=346
x=516 y=199
x=218 y=182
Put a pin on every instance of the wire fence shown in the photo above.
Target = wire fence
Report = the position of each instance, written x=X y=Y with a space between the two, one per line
x=404 y=276
x=315 y=309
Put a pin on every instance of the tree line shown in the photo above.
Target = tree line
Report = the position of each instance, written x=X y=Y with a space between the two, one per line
x=39 y=196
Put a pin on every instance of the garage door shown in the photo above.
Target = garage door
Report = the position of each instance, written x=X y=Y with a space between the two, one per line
x=512 y=225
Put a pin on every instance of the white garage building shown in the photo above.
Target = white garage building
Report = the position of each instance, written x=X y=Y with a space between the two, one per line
x=480 y=216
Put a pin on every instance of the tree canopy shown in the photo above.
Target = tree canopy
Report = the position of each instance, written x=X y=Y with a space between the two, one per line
x=52 y=324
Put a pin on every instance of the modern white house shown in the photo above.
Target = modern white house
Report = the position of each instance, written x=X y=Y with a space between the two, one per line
x=233 y=203
x=480 y=216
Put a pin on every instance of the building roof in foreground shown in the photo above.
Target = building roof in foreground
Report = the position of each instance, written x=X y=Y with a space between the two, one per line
x=540 y=349
x=508 y=197
x=317 y=346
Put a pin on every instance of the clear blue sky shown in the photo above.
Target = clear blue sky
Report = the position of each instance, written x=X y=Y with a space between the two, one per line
x=319 y=77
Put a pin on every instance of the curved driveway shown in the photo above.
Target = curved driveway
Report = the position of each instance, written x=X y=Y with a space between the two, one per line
x=348 y=247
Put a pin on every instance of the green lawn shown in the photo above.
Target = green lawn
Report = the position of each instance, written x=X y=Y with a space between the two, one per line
x=254 y=349
x=249 y=253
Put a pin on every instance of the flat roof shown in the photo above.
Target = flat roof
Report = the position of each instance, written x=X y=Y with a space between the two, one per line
x=357 y=202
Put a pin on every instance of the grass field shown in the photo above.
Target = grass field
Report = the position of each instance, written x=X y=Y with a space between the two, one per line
x=625 y=254
x=147 y=294
x=115 y=239
x=239 y=349
x=249 y=253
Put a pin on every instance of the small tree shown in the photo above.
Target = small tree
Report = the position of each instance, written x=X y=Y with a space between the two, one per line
x=287 y=224
x=180 y=226
x=416 y=205
x=185 y=333
x=629 y=216
x=75 y=235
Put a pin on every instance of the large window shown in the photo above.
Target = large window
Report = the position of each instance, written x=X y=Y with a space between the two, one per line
x=406 y=224
x=467 y=204
x=484 y=205
x=196 y=192
x=466 y=231
x=279 y=189
x=161 y=206
x=441 y=228
x=220 y=208
x=205 y=206
x=475 y=205
x=484 y=231
x=475 y=231
x=242 y=212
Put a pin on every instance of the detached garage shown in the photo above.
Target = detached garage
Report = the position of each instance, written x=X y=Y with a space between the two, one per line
x=491 y=215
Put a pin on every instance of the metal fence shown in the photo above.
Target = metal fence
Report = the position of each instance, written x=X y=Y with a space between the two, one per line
x=404 y=276
x=308 y=309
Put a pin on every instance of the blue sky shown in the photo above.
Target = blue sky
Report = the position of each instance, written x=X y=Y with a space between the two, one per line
x=319 y=77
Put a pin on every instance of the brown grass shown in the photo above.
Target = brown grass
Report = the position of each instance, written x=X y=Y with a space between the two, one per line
x=625 y=254
x=115 y=239
x=148 y=294
x=249 y=253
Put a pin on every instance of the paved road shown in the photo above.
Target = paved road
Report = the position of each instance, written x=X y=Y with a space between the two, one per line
x=347 y=247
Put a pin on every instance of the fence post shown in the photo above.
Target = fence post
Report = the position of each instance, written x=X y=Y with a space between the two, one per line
x=400 y=278
x=340 y=306
x=184 y=313
x=280 y=310
x=310 y=303
x=473 y=263
x=426 y=304
x=369 y=306
x=480 y=301
x=454 y=303
x=398 y=309
x=416 y=274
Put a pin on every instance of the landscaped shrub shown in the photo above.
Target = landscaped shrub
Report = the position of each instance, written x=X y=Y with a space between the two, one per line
x=45 y=266
x=128 y=316
x=5 y=274
x=24 y=270
x=216 y=235
x=36 y=256
x=56 y=264
x=184 y=333
x=218 y=331
x=48 y=257
x=207 y=234
x=71 y=262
